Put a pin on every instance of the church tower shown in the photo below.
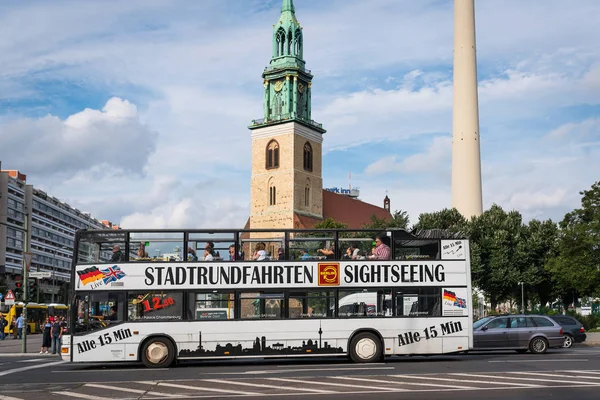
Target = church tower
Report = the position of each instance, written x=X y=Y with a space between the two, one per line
x=286 y=143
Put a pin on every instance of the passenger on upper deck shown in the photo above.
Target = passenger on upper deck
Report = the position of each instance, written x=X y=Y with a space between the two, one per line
x=141 y=253
x=233 y=255
x=260 y=253
x=327 y=252
x=382 y=251
x=117 y=254
x=192 y=256
x=209 y=253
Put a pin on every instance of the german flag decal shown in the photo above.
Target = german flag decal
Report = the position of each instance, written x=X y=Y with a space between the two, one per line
x=90 y=275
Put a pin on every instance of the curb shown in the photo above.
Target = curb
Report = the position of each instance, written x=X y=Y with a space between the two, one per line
x=27 y=355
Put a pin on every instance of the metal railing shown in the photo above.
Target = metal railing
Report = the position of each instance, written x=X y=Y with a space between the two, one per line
x=284 y=117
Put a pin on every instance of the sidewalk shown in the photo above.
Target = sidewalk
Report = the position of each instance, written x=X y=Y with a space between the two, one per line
x=593 y=339
x=12 y=347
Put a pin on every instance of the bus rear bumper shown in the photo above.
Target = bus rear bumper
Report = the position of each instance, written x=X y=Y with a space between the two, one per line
x=65 y=348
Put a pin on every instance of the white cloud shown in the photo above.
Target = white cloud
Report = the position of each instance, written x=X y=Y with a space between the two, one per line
x=436 y=157
x=112 y=138
x=192 y=69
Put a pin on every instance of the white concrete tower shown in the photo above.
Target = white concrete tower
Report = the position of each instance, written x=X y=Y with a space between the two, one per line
x=466 y=160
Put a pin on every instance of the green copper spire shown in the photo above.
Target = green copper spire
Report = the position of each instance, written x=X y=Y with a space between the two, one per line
x=287 y=82
x=288 y=5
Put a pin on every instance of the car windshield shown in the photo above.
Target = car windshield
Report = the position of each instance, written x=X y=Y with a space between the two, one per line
x=482 y=321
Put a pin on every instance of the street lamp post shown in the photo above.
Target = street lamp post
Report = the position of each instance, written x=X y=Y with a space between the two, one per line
x=522 y=297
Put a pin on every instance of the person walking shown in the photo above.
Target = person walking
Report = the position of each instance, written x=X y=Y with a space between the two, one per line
x=19 y=325
x=46 y=341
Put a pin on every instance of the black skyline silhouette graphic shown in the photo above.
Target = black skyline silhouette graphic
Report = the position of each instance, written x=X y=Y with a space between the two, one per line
x=260 y=348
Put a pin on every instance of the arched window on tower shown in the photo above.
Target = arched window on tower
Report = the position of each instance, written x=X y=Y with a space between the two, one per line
x=272 y=194
x=298 y=43
x=280 y=41
x=272 y=156
x=308 y=157
x=289 y=43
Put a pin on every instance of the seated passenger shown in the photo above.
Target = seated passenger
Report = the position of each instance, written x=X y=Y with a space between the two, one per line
x=305 y=255
x=192 y=255
x=327 y=252
x=260 y=253
x=382 y=251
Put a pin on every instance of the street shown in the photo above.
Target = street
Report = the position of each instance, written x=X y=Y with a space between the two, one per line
x=560 y=373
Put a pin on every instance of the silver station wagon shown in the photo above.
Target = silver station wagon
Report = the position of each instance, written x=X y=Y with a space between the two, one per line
x=536 y=333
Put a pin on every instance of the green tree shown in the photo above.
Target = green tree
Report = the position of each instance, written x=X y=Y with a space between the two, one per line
x=497 y=253
x=400 y=219
x=576 y=269
x=449 y=219
x=330 y=223
x=541 y=240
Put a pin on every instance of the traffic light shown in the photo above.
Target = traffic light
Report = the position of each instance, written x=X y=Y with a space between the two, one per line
x=19 y=291
x=32 y=290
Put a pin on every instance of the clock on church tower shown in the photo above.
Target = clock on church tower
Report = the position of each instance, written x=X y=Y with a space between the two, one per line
x=286 y=143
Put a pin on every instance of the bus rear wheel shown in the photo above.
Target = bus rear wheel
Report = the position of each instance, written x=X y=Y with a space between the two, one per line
x=158 y=353
x=365 y=347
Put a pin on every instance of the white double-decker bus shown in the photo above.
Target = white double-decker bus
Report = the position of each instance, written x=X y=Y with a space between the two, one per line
x=161 y=296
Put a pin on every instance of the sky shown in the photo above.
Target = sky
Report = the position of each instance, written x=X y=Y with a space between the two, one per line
x=137 y=111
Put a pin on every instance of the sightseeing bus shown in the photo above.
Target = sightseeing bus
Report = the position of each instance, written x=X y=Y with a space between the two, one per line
x=36 y=315
x=163 y=296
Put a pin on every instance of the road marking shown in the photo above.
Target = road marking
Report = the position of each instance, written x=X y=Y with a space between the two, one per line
x=553 y=375
x=582 y=372
x=95 y=371
x=178 y=386
x=527 y=379
x=283 y=371
x=122 y=389
x=351 y=378
x=321 y=365
x=265 y=386
x=33 y=360
x=44 y=365
x=375 y=389
x=467 y=380
x=9 y=398
x=538 y=360
x=82 y=396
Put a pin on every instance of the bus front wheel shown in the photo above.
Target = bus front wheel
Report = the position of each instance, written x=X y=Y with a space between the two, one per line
x=365 y=347
x=158 y=353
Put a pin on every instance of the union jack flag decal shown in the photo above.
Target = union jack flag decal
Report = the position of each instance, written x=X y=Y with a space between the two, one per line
x=460 y=303
x=112 y=274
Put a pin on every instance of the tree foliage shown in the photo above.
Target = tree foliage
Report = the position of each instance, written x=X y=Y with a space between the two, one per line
x=448 y=218
x=575 y=270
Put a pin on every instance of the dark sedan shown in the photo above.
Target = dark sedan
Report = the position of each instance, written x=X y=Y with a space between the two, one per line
x=573 y=330
x=536 y=333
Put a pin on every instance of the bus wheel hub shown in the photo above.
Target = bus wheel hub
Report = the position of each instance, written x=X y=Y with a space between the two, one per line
x=157 y=352
x=365 y=348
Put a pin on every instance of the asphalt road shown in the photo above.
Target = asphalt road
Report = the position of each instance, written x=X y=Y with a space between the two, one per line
x=561 y=374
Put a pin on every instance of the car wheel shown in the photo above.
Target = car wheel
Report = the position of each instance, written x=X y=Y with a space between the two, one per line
x=538 y=345
x=568 y=341
x=365 y=348
x=158 y=353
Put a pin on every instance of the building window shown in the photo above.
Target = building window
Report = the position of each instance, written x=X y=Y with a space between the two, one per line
x=308 y=158
x=272 y=195
x=272 y=154
x=307 y=196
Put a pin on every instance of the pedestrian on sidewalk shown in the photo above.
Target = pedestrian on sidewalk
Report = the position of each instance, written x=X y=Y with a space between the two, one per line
x=20 y=327
x=56 y=333
x=46 y=329
x=3 y=323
